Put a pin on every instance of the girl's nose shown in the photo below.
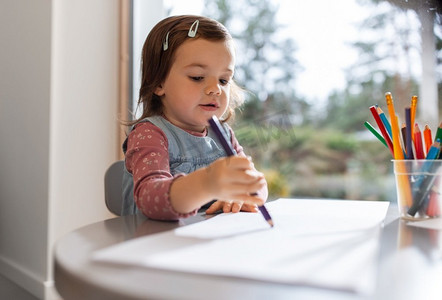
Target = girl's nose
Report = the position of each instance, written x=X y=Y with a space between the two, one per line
x=213 y=87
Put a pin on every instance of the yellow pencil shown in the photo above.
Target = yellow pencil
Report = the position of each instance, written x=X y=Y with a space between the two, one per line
x=397 y=148
x=390 y=106
x=403 y=183
x=413 y=114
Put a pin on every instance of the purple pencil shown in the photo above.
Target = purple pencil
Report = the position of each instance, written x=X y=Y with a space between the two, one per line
x=408 y=130
x=216 y=126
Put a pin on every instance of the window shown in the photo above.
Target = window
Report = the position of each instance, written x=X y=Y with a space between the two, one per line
x=313 y=69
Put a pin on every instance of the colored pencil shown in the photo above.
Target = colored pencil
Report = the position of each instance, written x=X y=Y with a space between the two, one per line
x=433 y=208
x=424 y=183
x=402 y=180
x=384 y=120
x=427 y=138
x=438 y=136
x=418 y=145
x=438 y=133
x=390 y=106
x=432 y=155
x=409 y=139
x=404 y=133
x=382 y=128
x=397 y=148
x=416 y=192
x=375 y=133
x=398 y=151
x=413 y=113
x=216 y=126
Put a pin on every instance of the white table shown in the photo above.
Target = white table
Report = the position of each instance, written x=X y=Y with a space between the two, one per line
x=405 y=269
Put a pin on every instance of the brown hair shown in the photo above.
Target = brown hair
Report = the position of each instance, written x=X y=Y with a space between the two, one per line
x=157 y=62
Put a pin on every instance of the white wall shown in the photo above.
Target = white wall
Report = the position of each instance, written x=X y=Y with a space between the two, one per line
x=24 y=134
x=58 y=107
x=84 y=101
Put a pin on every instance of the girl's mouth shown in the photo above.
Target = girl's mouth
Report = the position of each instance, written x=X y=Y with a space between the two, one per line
x=209 y=106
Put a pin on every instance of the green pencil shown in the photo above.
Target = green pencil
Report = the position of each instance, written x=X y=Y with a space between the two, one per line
x=438 y=136
x=438 y=133
x=375 y=132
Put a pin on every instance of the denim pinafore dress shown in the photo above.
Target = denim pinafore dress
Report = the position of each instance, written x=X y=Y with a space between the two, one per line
x=187 y=153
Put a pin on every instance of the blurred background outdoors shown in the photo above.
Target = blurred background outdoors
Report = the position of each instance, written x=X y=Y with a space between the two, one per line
x=311 y=70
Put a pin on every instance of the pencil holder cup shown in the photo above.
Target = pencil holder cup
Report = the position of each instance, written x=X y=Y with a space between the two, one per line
x=418 y=188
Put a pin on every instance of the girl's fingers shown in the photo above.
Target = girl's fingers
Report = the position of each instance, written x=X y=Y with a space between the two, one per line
x=215 y=207
x=249 y=208
x=236 y=207
x=227 y=207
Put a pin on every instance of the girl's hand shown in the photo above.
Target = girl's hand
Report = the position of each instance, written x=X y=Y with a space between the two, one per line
x=228 y=206
x=234 y=179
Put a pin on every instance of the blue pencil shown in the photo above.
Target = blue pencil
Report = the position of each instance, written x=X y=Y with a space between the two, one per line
x=384 y=120
x=432 y=155
x=216 y=126
x=424 y=183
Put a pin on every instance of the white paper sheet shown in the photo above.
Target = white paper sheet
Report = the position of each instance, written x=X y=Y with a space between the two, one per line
x=294 y=216
x=327 y=243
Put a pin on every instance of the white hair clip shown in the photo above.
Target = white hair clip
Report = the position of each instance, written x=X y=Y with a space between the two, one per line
x=192 y=33
x=166 y=42
x=193 y=29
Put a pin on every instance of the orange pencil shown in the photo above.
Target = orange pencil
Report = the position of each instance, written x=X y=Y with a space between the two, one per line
x=413 y=114
x=418 y=145
x=427 y=138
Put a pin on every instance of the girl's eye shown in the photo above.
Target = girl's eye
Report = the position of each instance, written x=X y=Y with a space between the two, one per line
x=223 y=81
x=196 y=78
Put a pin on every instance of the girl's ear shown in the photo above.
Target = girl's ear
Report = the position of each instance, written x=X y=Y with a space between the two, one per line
x=159 y=91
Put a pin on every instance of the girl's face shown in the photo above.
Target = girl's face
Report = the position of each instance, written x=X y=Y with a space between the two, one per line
x=198 y=84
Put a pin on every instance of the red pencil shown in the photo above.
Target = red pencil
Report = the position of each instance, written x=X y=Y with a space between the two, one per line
x=382 y=128
x=433 y=209
x=418 y=142
x=428 y=139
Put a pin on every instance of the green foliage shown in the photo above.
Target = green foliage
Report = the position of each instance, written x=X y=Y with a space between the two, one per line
x=337 y=141
x=306 y=162
x=323 y=151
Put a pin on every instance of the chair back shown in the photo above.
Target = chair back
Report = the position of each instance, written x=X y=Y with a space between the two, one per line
x=113 y=187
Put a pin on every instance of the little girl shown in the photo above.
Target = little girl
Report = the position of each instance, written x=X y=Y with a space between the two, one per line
x=174 y=163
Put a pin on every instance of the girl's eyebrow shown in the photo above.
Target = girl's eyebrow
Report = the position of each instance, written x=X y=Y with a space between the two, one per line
x=202 y=66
